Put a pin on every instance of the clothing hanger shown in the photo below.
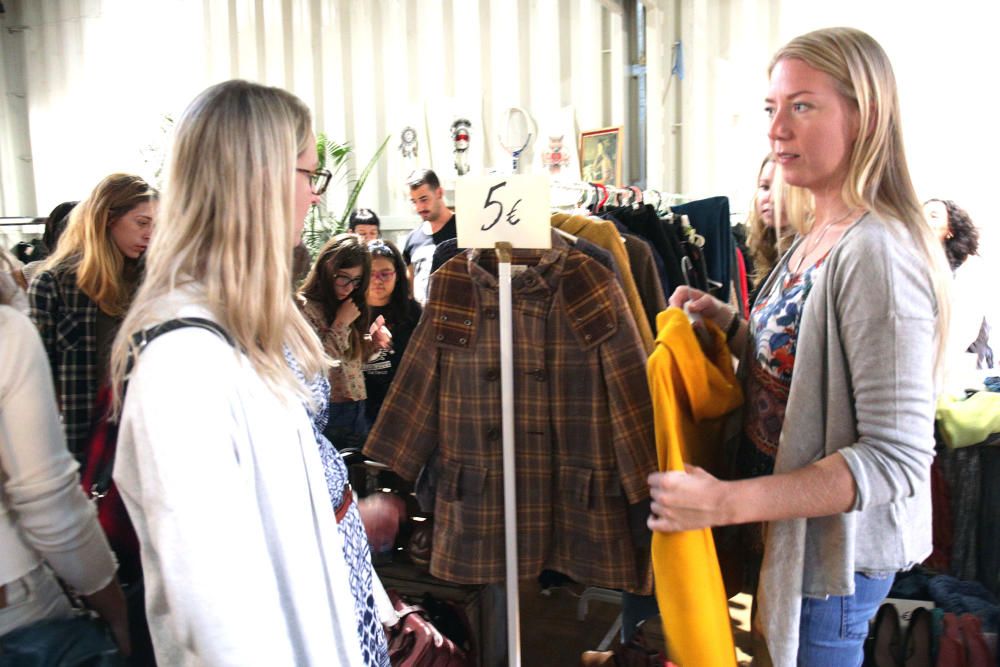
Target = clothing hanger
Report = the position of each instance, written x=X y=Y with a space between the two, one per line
x=659 y=198
x=566 y=235
x=636 y=202
x=604 y=193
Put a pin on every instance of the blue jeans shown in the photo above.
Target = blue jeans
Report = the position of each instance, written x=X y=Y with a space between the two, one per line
x=34 y=597
x=832 y=631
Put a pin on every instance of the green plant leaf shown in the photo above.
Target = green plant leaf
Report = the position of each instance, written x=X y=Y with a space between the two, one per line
x=359 y=183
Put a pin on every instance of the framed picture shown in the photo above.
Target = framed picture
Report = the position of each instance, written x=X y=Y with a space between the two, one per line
x=601 y=156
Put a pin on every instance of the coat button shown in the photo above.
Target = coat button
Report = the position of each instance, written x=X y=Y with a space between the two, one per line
x=444 y=318
x=588 y=337
x=461 y=341
x=439 y=337
x=493 y=434
x=491 y=375
x=468 y=323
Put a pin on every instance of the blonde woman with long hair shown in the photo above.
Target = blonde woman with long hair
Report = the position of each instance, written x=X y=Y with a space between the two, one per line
x=858 y=307
x=776 y=212
x=83 y=290
x=247 y=559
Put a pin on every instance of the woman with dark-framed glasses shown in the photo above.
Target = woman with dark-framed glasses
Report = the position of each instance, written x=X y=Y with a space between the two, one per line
x=333 y=300
x=389 y=305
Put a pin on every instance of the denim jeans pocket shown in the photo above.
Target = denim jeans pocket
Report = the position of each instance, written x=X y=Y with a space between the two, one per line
x=858 y=609
x=853 y=622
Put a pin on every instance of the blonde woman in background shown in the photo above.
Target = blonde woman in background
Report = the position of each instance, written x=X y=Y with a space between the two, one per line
x=83 y=291
x=247 y=559
x=47 y=526
x=778 y=210
x=858 y=307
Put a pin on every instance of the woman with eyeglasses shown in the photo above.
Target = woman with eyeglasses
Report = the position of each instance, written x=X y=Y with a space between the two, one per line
x=333 y=300
x=389 y=299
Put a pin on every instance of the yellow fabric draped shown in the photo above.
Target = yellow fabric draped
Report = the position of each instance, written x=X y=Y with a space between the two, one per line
x=691 y=393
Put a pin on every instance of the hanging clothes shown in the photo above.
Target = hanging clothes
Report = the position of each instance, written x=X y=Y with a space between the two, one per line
x=710 y=218
x=691 y=394
x=583 y=420
x=640 y=260
x=646 y=224
x=604 y=234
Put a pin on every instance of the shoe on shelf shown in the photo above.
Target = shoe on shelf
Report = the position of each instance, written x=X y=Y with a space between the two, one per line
x=976 y=651
x=917 y=644
x=951 y=649
x=886 y=645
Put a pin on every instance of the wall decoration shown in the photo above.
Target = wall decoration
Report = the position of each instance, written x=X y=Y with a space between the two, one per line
x=460 y=135
x=601 y=156
x=555 y=158
x=408 y=142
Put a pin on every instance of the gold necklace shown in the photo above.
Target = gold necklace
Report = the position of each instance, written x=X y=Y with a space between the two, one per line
x=819 y=239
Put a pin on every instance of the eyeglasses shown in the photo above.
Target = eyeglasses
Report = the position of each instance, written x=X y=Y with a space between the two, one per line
x=342 y=281
x=319 y=180
x=384 y=276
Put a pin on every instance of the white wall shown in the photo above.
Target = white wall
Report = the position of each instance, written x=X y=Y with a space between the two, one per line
x=101 y=74
x=945 y=59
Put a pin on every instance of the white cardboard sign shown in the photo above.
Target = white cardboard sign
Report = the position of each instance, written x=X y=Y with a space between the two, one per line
x=515 y=209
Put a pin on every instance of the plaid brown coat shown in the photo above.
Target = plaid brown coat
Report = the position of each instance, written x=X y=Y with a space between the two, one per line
x=584 y=424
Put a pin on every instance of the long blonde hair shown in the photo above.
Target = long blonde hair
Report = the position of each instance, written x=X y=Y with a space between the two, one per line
x=878 y=177
x=87 y=247
x=767 y=243
x=226 y=223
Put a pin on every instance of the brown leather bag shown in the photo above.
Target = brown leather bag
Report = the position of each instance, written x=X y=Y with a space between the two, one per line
x=415 y=642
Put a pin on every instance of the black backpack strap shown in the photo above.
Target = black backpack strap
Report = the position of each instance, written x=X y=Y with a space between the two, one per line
x=139 y=341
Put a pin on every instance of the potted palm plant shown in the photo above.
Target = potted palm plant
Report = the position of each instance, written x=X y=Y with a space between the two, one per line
x=321 y=223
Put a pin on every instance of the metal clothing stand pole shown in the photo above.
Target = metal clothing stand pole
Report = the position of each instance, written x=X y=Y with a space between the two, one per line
x=509 y=474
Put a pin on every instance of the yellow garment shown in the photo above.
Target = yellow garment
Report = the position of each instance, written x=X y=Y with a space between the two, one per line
x=691 y=394
x=969 y=421
x=604 y=234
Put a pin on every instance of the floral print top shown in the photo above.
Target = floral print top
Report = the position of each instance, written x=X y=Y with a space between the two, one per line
x=774 y=324
x=347 y=381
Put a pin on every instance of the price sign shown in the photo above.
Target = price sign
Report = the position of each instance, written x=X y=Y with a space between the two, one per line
x=515 y=209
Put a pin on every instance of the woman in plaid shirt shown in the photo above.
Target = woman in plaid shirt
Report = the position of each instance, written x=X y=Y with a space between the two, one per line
x=85 y=287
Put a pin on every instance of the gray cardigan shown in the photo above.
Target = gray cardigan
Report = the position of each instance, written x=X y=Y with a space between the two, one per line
x=863 y=386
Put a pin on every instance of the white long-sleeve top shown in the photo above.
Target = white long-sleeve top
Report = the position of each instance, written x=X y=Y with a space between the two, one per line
x=242 y=560
x=44 y=514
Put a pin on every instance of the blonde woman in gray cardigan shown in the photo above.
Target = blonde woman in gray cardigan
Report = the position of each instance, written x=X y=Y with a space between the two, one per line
x=843 y=445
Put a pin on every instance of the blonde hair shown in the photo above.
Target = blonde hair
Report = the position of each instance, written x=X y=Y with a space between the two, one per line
x=87 y=248
x=227 y=225
x=767 y=243
x=878 y=177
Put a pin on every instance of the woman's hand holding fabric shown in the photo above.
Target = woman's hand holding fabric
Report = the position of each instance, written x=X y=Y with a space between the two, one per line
x=701 y=303
x=686 y=500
